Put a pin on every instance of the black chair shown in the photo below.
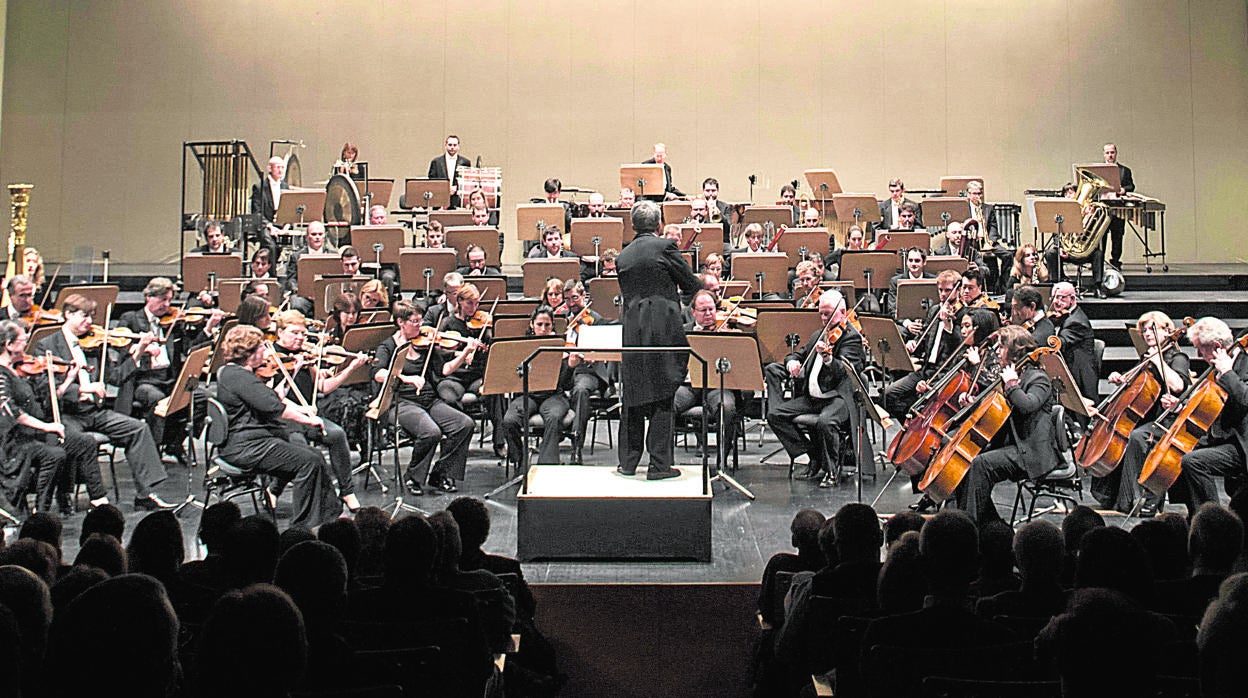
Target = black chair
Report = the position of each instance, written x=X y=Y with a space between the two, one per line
x=413 y=669
x=1061 y=484
x=224 y=480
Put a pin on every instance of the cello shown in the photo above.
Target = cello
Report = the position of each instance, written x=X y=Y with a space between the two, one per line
x=1201 y=405
x=912 y=447
x=978 y=423
x=1101 y=448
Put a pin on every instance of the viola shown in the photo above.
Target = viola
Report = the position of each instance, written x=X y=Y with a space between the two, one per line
x=38 y=316
x=189 y=316
x=30 y=366
x=479 y=320
x=446 y=340
x=117 y=337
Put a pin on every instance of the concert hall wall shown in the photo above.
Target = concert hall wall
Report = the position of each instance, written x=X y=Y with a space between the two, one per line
x=98 y=97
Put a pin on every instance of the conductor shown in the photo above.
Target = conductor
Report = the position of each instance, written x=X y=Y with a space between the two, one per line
x=651 y=270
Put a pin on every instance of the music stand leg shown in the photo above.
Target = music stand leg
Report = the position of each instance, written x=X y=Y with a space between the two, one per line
x=721 y=455
x=399 y=503
x=190 y=442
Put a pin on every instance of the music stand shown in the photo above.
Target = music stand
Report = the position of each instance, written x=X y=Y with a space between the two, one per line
x=904 y=240
x=862 y=398
x=330 y=288
x=767 y=272
x=643 y=179
x=517 y=307
x=38 y=332
x=364 y=339
x=939 y=211
x=914 y=298
x=845 y=287
x=299 y=207
x=794 y=239
x=1137 y=339
x=700 y=240
x=676 y=211
x=181 y=397
x=536 y=271
x=510 y=326
x=505 y=373
x=859 y=208
x=1056 y=216
x=452 y=218
x=377 y=409
x=491 y=287
x=483 y=236
x=1064 y=384
x=1106 y=171
x=590 y=236
x=939 y=263
x=532 y=220
x=196 y=269
x=776 y=215
x=733 y=288
x=600 y=342
x=376 y=192
x=823 y=183
x=605 y=292
x=391 y=237
x=781 y=332
x=956 y=186
x=626 y=217
x=868 y=270
x=738 y=366
x=311 y=266
x=423 y=269
x=886 y=344
x=230 y=292
x=104 y=295
x=427 y=193
x=217 y=359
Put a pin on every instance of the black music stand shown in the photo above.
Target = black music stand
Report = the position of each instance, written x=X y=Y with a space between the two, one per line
x=1064 y=384
x=424 y=264
x=536 y=271
x=738 y=366
x=886 y=344
x=605 y=291
x=914 y=298
x=643 y=179
x=532 y=220
x=506 y=371
x=867 y=270
x=181 y=397
x=426 y=193
x=859 y=208
x=383 y=402
x=862 y=399
x=767 y=272
x=939 y=211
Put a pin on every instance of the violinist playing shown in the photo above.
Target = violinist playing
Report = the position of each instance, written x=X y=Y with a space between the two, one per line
x=806 y=290
x=1027 y=448
x=552 y=405
x=82 y=410
x=589 y=378
x=1120 y=489
x=947 y=291
x=686 y=396
x=931 y=349
x=463 y=367
x=821 y=386
x=22 y=302
x=973 y=295
x=40 y=453
x=1221 y=451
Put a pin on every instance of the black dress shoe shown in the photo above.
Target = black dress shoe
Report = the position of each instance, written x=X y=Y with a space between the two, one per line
x=414 y=489
x=625 y=472
x=827 y=481
x=177 y=452
x=924 y=505
x=152 y=503
x=809 y=474
x=652 y=474
x=445 y=484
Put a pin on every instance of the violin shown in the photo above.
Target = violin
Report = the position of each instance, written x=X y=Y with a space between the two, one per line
x=337 y=356
x=430 y=337
x=116 y=337
x=189 y=316
x=30 y=366
x=479 y=320
x=810 y=300
x=731 y=312
x=274 y=363
x=582 y=318
x=38 y=316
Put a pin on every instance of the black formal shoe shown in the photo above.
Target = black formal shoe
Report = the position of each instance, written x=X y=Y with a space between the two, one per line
x=626 y=473
x=652 y=474
x=827 y=481
x=500 y=450
x=924 y=505
x=152 y=503
x=178 y=453
x=809 y=474
x=445 y=484
x=64 y=505
x=414 y=489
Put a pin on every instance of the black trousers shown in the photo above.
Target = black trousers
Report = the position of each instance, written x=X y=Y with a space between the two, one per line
x=999 y=259
x=426 y=426
x=584 y=387
x=172 y=429
x=648 y=427
x=687 y=397
x=131 y=434
x=553 y=410
x=974 y=495
x=1202 y=464
x=82 y=463
x=1117 y=230
x=1097 y=261
x=335 y=439
x=823 y=443
x=1121 y=487
x=902 y=394
x=299 y=464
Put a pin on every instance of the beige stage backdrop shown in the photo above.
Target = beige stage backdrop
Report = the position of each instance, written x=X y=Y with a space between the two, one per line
x=99 y=96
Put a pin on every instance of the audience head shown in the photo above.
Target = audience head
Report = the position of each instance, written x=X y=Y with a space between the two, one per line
x=899 y=523
x=315 y=576
x=409 y=552
x=1165 y=547
x=258 y=621
x=1039 y=552
x=1221 y=639
x=1077 y=523
x=215 y=524
x=1110 y=558
x=827 y=543
x=103 y=552
x=35 y=555
x=1215 y=540
x=291 y=537
x=44 y=526
x=71 y=584
x=27 y=596
x=901 y=585
x=474 y=522
x=344 y=535
x=251 y=554
x=107 y=518
x=949 y=548
x=449 y=548
x=858 y=535
x=374 y=526
x=156 y=546
x=804 y=531
x=996 y=548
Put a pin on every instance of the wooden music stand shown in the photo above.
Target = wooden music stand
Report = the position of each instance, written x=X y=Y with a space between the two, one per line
x=311 y=266
x=179 y=398
x=381 y=403
x=491 y=287
x=606 y=296
x=845 y=287
x=217 y=358
x=1137 y=339
x=421 y=192
x=197 y=267
x=939 y=211
x=373 y=316
x=781 y=332
x=1064 y=385
x=230 y=293
x=502 y=367
x=299 y=207
x=937 y=264
x=776 y=215
x=676 y=211
x=771 y=267
x=38 y=332
x=536 y=271
x=643 y=179
x=364 y=339
x=733 y=288
x=914 y=297
x=1106 y=171
x=812 y=239
x=484 y=236
x=608 y=231
x=532 y=219
x=886 y=344
x=519 y=308
x=868 y=270
x=767 y=305
x=625 y=216
x=329 y=288
x=703 y=238
x=857 y=208
x=904 y=240
x=824 y=185
x=1056 y=216
x=452 y=218
x=392 y=238
x=956 y=186
x=742 y=352
x=104 y=295
x=380 y=189
x=423 y=269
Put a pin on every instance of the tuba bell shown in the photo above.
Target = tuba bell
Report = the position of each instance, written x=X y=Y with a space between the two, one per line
x=1079 y=246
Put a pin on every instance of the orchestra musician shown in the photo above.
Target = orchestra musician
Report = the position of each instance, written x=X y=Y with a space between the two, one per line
x=608 y=262
x=552 y=405
x=452 y=281
x=854 y=240
x=1029 y=449
x=262 y=264
x=1027 y=268
x=810 y=218
x=377 y=215
x=481 y=217
x=421 y=414
x=552 y=294
x=710 y=192
x=32 y=267
x=916 y=262
x=1027 y=311
x=314 y=244
x=552 y=246
x=553 y=188
x=973 y=295
x=994 y=248
x=589 y=377
x=214 y=240
x=1078 y=342
x=891 y=209
x=752 y=239
x=476 y=263
x=435 y=236
x=671 y=231
x=788 y=197
x=820 y=386
x=344 y=313
x=21 y=305
x=254 y=310
x=1054 y=252
x=714 y=265
x=937 y=345
x=373 y=296
x=1117 y=226
x=806 y=285
x=660 y=158
x=42 y=461
x=1120 y=489
x=704 y=307
x=257 y=437
x=956 y=245
x=266 y=196
x=597 y=205
x=447 y=167
x=348 y=161
x=946 y=284
x=627 y=198
x=82 y=408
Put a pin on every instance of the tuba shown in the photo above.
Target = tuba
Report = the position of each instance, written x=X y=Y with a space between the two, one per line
x=1080 y=245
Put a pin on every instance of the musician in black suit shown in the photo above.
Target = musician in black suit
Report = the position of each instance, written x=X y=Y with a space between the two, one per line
x=956 y=245
x=214 y=240
x=447 y=167
x=266 y=196
x=1078 y=342
x=710 y=191
x=687 y=397
x=890 y=209
x=998 y=255
x=652 y=272
x=476 y=264
x=82 y=410
x=916 y=262
x=1030 y=451
x=314 y=242
x=1117 y=226
x=1221 y=451
x=589 y=377
x=1027 y=310
x=660 y=158
x=21 y=298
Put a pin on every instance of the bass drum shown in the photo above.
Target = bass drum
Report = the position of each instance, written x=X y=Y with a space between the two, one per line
x=342 y=208
x=1114 y=282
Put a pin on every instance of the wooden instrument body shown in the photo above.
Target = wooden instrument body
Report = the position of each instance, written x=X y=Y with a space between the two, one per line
x=912 y=448
x=952 y=461
x=1163 y=464
x=1101 y=448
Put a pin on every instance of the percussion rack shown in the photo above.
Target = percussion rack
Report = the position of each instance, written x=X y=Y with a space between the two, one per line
x=225 y=187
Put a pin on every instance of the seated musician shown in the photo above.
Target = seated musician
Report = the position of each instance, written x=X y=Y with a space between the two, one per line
x=476 y=263
x=686 y=396
x=348 y=161
x=1029 y=449
x=481 y=217
x=608 y=262
x=937 y=345
x=266 y=197
x=377 y=215
x=32 y=268
x=752 y=239
x=262 y=264
x=973 y=295
x=552 y=295
x=810 y=218
x=671 y=231
x=314 y=242
x=916 y=262
x=907 y=218
x=627 y=198
x=1027 y=268
x=344 y=313
x=421 y=414
x=1120 y=489
x=1027 y=311
x=1054 y=251
x=788 y=197
x=956 y=245
x=82 y=399
x=854 y=241
x=214 y=240
x=552 y=405
x=1078 y=342
x=821 y=271
x=258 y=439
x=435 y=236
x=43 y=465
x=153 y=366
x=463 y=367
x=890 y=209
x=806 y=290
x=254 y=310
x=996 y=252
x=714 y=265
x=1221 y=451
x=452 y=281
x=552 y=246
x=819 y=387
x=946 y=283
x=309 y=380
x=21 y=300
x=477 y=201
x=597 y=205
x=553 y=189
x=589 y=377
x=374 y=297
